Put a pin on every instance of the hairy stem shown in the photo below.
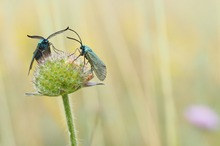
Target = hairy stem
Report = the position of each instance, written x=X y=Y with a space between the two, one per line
x=69 y=119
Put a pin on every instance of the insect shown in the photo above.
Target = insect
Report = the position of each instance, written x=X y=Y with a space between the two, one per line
x=43 y=47
x=96 y=64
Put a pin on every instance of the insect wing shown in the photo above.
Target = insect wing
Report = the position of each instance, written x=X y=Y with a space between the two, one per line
x=31 y=64
x=34 y=57
x=97 y=65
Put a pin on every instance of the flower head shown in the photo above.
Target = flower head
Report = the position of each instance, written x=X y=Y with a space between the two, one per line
x=61 y=74
x=202 y=117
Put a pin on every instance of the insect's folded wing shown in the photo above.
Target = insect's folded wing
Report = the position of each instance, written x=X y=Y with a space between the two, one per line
x=98 y=66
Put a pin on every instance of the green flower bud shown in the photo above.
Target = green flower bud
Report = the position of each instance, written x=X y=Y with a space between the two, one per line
x=60 y=74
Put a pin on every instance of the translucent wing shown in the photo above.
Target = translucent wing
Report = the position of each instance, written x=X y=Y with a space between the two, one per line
x=97 y=65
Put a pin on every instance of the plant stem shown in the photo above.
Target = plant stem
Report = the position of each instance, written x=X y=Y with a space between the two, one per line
x=69 y=119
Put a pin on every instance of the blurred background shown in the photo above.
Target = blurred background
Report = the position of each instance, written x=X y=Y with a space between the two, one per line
x=162 y=56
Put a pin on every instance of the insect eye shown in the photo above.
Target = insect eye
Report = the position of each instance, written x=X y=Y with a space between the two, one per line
x=45 y=41
x=83 y=50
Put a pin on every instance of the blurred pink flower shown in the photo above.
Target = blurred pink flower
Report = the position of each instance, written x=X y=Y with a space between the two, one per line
x=202 y=117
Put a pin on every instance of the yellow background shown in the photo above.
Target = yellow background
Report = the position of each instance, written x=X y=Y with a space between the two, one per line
x=161 y=57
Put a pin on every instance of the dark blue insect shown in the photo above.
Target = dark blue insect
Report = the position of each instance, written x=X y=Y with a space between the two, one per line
x=43 y=47
x=96 y=64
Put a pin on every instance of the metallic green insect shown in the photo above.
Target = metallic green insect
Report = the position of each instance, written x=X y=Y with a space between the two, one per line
x=96 y=63
x=43 y=47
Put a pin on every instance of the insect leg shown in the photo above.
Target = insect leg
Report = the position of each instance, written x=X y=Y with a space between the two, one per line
x=85 y=63
x=75 y=52
x=76 y=58
x=55 y=49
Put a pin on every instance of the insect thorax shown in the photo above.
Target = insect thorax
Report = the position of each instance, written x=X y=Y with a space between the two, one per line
x=85 y=50
x=43 y=49
x=44 y=45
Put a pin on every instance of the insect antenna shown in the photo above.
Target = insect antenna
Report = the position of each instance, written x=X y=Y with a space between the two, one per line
x=58 y=32
x=35 y=37
x=75 y=40
x=77 y=49
x=80 y=40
